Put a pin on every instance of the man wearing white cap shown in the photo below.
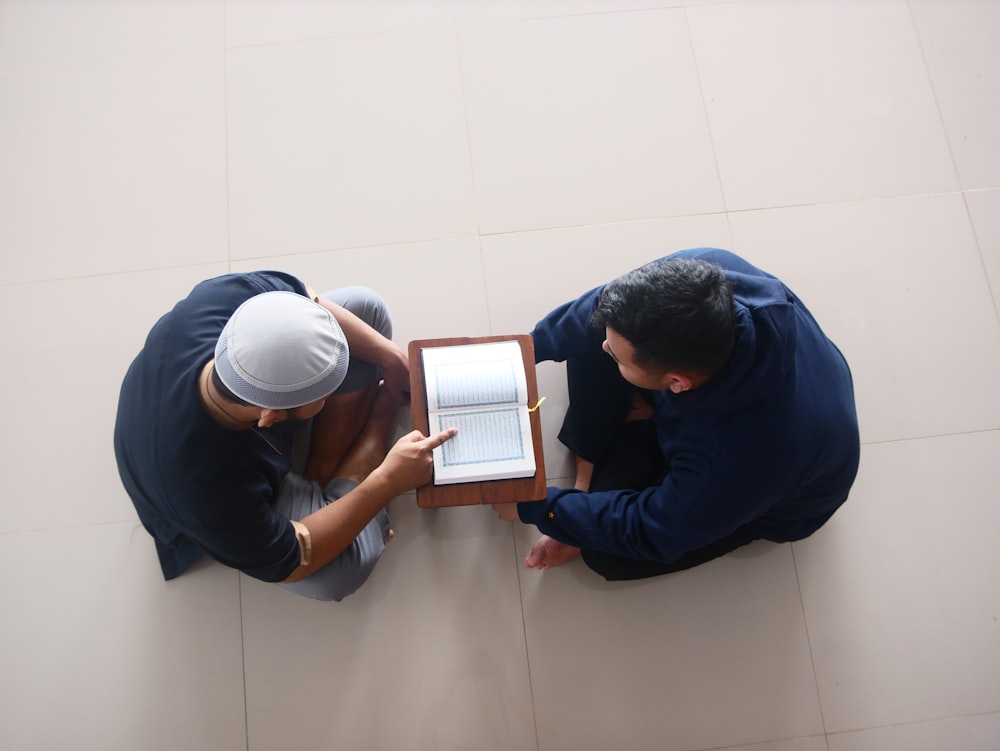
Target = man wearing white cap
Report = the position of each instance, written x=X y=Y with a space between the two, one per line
x=204 y=432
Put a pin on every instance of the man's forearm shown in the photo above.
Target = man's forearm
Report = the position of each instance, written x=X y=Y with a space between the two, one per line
x=333 y=528
x=365 y=342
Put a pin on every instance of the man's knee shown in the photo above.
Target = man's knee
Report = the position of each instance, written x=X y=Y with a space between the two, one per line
x=345 y=574
x=340 y=578
x=366 y=304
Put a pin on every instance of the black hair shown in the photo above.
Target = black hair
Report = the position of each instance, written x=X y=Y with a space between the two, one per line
x=677 y=313
x=224 y=391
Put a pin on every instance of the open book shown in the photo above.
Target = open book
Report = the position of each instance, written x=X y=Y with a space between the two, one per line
x=480 y=389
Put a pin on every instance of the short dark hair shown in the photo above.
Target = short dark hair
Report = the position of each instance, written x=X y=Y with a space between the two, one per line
x=677 y=313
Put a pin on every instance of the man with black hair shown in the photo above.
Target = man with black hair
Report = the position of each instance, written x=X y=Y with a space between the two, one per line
x=707 y=410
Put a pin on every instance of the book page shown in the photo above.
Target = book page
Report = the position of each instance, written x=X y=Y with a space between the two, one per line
x=474 y=375
x=491 y=444
x=491 y=435
x=482 y=390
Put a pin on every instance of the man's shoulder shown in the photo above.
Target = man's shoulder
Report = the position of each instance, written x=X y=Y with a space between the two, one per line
x=727 y=259
x=242 y=286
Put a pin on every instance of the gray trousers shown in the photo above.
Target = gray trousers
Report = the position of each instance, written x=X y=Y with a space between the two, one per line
x=300 y=497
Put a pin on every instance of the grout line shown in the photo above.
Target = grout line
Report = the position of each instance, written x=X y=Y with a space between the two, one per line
x=929 y=436
x=762 y=744
x=225 y=130
x=229 y=267
x=708 y=120
x=524 y=632
x=982 y=258
x=243 y=661
x=613 y=222
x=937 y=102
x=951 y=154
x=472 y=170
x=90 y=525
x=480 y=234
x=949 y=718
x=812 y=657
x=108 y=274
x=486 y=286
x=117 y=61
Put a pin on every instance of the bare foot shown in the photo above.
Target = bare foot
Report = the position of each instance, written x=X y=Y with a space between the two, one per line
x=390 y=537
x=546 y=553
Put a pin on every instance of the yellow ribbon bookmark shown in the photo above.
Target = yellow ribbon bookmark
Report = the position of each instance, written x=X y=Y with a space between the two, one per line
x=539 y=404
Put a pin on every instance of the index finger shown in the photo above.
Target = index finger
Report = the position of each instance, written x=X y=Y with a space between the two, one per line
x=436 y=440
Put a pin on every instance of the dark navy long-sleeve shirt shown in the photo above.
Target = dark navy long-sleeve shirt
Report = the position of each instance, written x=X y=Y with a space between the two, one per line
x=771 y=443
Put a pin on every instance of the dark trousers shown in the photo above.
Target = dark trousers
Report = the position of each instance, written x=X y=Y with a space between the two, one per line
x=635 y=462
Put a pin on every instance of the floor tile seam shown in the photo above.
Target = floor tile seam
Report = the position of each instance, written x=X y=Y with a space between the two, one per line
x=225 y=132
x=230 y=258
x=484 y=280
x=845 y=201
x=121 y=62
x=68 y=527
x=229 y=267
x=527 y=649
x=452 y=237
x=994 y=296
x=243 y=664
x=929 y=436
x=727 y=211
x=109 y=274
x=927 y=721
x=742 y=745
x=934 y=94
x=463 y=99
x=481 y=234
x=705 y=113
x=708 y=122
x=809 y=644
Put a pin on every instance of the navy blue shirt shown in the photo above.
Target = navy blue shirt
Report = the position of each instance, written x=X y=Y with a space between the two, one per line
x=770 y=444
x=196 y=486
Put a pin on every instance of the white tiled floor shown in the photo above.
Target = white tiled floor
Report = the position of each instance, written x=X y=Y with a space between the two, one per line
x=480 y=161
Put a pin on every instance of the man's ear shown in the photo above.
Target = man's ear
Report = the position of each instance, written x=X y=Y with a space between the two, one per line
x=269 y=417
x=678 y=383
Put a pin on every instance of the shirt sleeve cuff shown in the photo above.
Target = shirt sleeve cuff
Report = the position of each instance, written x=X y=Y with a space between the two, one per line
x=532 y=512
